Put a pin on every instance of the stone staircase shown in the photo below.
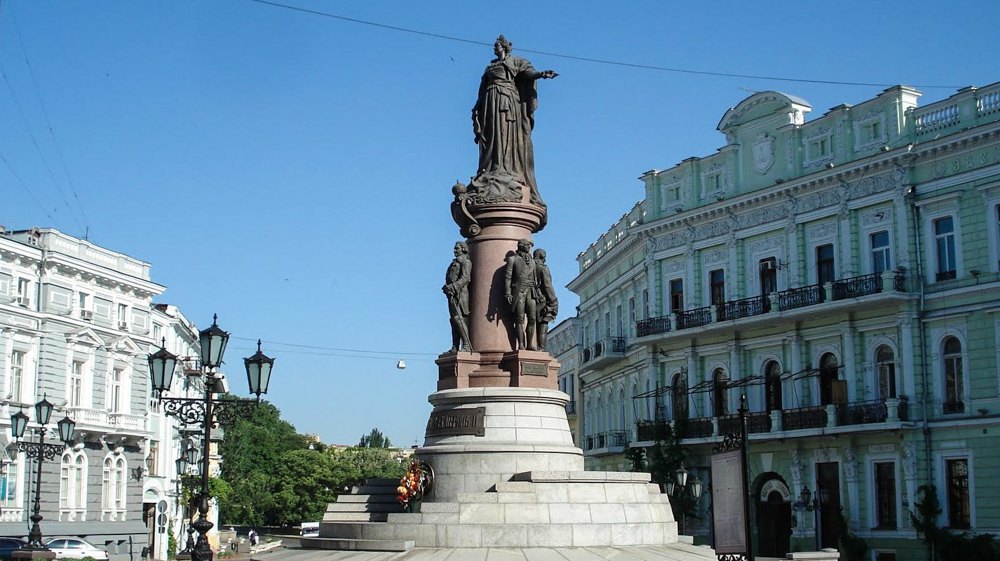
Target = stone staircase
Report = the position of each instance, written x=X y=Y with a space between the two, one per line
x=368 y=504
x=532 y=509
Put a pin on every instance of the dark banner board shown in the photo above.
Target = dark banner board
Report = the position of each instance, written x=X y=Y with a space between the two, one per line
x=728 y=502
x=457 y=422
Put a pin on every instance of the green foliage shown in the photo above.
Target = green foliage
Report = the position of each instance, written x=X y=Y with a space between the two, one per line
x=852 y=548
x=273 y=477
x=252 y=450
x=374 y=439
x=171 y=542
x=664 y=458
x=948 y=545
x=637 y=457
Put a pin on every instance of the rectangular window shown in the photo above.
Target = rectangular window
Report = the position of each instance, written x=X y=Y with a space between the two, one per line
x=885 y=495
x=154 y=452
x=620 y=321
x=8 y=483
x=156 y=333
x=768 y=275
x=944 y=243
x=717 y=286
x=22 y=287
x=677 y=295
x=16 y=380
x=115 y=391
x=824 y=264
x=607 y=325
x=957 y=472
x=645 y=303
x=631 y=310
x=881 y=259
x=76 y=384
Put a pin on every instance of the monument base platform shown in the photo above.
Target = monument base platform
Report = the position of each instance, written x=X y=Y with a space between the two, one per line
x=670 y=552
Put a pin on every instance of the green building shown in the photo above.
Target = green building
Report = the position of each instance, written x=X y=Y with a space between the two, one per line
x=844 y=274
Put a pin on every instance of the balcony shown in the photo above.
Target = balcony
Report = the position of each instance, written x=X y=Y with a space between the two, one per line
x=604 y=352
x=869 y=415
x=860 y=291
x=99 y=420
x=571 y=408
x=603 y=443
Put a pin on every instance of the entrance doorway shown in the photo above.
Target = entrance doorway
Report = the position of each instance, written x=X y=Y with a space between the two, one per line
x=774 y=518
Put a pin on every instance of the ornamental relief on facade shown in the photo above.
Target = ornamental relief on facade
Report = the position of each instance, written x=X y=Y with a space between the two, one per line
x=763 y=152
x=787 y=210
x=713 y=256
x=822 y=231
x=674 y=265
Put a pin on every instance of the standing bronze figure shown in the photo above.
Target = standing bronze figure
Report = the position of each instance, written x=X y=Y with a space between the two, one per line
x=456 y=288
x=502 y=120
x=519 y=283
x=548 y=304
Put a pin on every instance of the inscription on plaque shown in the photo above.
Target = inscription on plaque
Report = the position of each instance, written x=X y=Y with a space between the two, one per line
x=457 y=422
x=728 y=503
x=534 y=369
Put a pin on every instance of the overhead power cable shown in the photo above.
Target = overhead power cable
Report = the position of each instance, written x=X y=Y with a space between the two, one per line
x=48 y=122
x=358 y=353
x=590 y=59
x=25 y=186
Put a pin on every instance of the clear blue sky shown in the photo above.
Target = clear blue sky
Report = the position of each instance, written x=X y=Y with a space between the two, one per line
x=292 y=172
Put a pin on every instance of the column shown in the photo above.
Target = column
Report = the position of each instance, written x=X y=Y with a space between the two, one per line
x=850 y=360
x=851 y=476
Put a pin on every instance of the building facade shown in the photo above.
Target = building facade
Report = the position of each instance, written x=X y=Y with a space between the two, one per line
x=75 y=329
x=844 y=274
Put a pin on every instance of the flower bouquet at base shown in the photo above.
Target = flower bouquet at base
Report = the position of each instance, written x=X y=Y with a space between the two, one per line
x=414 y=484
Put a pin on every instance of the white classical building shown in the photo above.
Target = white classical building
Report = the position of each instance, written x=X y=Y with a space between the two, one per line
x=77 y=323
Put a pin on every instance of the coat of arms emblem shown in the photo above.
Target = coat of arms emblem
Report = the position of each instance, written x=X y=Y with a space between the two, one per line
x=763 y=152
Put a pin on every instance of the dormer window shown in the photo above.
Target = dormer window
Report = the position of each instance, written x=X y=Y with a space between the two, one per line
x=819 y=146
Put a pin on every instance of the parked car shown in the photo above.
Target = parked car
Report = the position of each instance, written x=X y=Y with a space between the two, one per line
x=8 y=546
x=75 y=548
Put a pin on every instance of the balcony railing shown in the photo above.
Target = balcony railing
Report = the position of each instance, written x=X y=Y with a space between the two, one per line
x=570 y=407
x=618 y=344
x=803 y=418
x=800 y=297
x=649 y=431
x=694 y=318
x=618 y=438
x=758 y=421
x=700 y=427
x=791 y=299
x=857 y=287
x=862 y=412
x=736 y=309
x=652 y=326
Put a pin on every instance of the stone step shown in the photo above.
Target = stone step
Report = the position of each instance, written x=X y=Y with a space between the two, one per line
x=374 y=489
x=581 y=477
x=368 y=499
x=364 y=507
x=346 y=544
x=355 y=516
x=513 y=487
x=382 y=482
x=438 y=508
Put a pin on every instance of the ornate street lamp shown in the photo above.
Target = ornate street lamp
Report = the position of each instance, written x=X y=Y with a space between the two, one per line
x=208 y=411
x=684 y=489
x=41 y=451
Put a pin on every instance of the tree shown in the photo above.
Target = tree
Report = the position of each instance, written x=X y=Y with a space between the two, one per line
x=364 y=463
x=303 y=485
x=374 y=439
x=251 y=451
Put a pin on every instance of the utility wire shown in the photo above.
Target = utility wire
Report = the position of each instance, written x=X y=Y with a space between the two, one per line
x=385 y=354
x=22 y=184
x=589 y=59
x=48 y=122
x=38 y=148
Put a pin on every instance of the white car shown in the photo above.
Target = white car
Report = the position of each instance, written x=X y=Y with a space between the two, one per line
x=75 y=548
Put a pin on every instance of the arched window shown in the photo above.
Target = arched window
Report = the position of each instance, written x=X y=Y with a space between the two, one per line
x=953 y=387
x=772 y=386
x=73 y=485
x=598 y=422
x=114 y=482
x=720 y=393
x=885 y=366
x=828 y=372
x=622 y=416
x=679 y=395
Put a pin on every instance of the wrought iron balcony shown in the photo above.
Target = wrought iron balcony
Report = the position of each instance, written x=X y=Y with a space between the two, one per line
x=650 y=431
x=862 y=412
x=757 y=421
x=700 y=427
x=800 y=297
x=694 y=318
x=804 y=418
x=856 y=287
x=605 y=352
x=736 y=309
x=652 y=326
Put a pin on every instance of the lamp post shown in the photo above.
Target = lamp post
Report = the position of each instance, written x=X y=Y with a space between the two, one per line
x=807 y=503
x=42 y=451
x=208 y=411
x=685 y=491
